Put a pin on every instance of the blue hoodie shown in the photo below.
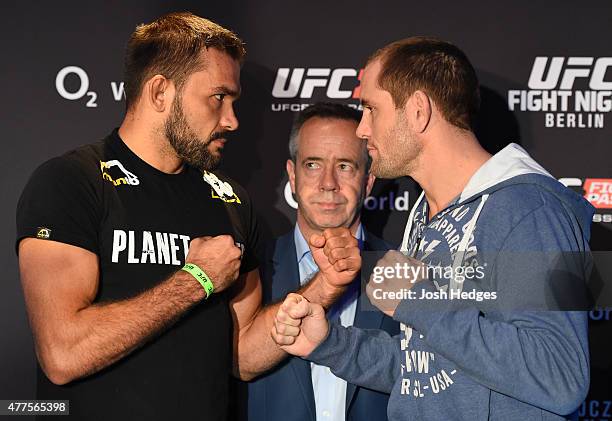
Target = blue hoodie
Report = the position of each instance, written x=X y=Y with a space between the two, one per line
x=510 y=359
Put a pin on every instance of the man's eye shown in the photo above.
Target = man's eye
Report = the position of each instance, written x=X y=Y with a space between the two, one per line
x=345 y=167
x=312 y=165
x=219 y=96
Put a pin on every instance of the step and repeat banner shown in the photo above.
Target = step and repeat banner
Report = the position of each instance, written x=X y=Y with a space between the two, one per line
x=545 y=70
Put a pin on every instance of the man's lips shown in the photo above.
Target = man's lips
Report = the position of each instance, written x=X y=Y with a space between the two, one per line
x=328 y=205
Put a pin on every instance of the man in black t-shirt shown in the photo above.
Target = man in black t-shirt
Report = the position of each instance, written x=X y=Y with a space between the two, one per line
x=128 y=247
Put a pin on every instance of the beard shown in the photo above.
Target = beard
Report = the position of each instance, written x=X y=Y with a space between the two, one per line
x=188 y=146
x=401 y=150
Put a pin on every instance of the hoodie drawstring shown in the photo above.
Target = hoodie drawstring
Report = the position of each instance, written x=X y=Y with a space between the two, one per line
x=408 y=229
x=460 y=254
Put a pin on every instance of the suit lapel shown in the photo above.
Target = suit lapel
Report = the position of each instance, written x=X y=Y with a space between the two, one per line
x=286 y=279
x=285 y=275
x=365 y=319
x=302 y=371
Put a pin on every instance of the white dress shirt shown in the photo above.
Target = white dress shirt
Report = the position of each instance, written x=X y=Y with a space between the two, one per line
x=329 y=390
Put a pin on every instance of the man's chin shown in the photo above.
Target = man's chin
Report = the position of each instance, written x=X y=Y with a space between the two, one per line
x=383 y=173
x=325 y=223
x=208 y=163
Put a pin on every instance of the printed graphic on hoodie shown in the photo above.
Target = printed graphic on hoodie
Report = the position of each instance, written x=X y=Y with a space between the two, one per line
x=447 y=241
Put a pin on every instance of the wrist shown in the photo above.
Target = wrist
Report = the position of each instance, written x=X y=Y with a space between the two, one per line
x=185 y=281
x=322 y=291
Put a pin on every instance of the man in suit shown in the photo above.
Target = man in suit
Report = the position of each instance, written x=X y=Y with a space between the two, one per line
x=329 y=175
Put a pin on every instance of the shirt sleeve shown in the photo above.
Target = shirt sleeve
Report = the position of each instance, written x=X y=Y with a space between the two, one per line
x=246 y=228
x=59 y=204
x=250 y=260
x=369 y=358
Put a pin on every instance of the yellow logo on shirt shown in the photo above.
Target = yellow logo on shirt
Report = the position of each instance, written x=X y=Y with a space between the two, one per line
x=128 y=177
x=43 y=233
x=220 y=189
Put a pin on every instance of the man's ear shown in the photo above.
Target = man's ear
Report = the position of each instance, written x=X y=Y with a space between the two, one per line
x=159 y=93
x=418 y=111
x=290 y=166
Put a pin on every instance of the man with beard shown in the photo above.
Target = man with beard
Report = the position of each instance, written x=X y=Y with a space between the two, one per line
x=493 y=246
x=128 y=247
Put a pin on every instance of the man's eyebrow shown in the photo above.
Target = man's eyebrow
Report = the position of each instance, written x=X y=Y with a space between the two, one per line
x=349 y=161
x=312 y=158
x=340 y=160
x=227 y=91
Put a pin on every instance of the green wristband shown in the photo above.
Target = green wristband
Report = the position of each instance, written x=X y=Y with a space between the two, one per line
x=201 y=276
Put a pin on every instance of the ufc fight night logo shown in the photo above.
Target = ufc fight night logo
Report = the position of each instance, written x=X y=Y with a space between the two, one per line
x=572 y=91
x=306 y=83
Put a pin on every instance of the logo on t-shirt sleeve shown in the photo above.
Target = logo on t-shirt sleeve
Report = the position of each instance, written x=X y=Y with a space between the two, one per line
x=43 y=233
x=220 y=189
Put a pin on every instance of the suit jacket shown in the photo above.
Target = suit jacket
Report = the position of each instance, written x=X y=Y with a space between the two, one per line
x=285 y=393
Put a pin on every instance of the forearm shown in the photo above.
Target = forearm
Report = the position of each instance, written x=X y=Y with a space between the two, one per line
x=101 y=334
x=319 y=291
x=256 y=350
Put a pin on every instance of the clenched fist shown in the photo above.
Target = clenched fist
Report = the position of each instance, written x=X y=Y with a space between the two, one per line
x=337 y=255
x=299 y=326
x=393 y=274
x=218 y=257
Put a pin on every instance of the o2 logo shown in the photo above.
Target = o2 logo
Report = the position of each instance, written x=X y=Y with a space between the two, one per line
x=83 y=90
x=117 y=88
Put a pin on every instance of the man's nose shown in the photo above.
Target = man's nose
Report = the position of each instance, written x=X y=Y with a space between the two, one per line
x=328 y=181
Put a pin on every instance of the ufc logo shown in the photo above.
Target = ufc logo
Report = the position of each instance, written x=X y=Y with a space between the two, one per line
x=568 y=70
x=289 y=87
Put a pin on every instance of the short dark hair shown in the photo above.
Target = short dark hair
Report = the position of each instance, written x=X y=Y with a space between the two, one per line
x=321 y=110
x=438 y=68
x=171 y=46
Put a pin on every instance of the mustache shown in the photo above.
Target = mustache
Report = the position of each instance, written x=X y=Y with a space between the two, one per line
x=216 y=135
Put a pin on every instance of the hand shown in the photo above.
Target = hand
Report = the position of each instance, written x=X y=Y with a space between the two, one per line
x=218 y=257
x=337 y=255
x=299 y=326
x=392 y=275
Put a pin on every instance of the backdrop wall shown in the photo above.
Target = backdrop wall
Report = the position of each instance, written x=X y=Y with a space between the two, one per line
x=545 y=70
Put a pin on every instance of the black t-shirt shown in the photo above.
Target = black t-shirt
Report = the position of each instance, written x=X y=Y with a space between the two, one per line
x=139 y=220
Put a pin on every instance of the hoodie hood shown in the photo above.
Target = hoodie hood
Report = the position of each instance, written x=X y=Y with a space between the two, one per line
x=508 y=163
x=510 y=166
x=513 y=165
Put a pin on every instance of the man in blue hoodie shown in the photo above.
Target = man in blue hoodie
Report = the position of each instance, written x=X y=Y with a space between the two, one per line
x=492 y=247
